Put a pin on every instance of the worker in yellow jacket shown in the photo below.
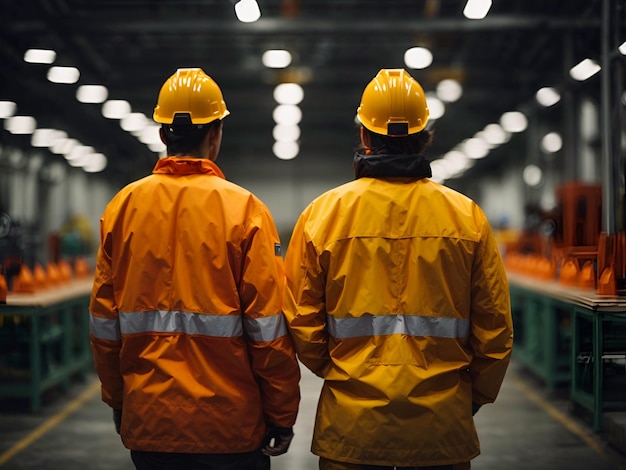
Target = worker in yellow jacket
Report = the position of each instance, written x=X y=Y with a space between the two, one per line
x=397 y=297
x=187 y=330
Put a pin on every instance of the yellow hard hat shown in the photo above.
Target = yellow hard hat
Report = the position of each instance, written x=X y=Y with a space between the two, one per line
x=191 y=92
x=393 y=104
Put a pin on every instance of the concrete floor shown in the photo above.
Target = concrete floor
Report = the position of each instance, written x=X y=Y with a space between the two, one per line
x=527 y=428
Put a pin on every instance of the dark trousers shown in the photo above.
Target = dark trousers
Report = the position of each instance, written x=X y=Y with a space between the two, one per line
x=169 y=461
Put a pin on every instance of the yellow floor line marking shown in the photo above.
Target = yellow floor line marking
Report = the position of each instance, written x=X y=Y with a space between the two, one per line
x=50 y=422
x=568 y=423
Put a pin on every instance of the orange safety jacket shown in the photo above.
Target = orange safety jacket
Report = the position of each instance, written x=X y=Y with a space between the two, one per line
x=187 y=329
x=397 y=297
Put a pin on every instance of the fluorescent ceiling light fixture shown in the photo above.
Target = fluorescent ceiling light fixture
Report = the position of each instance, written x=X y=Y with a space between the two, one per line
x=92 y=94
x=494 y=134
x=286 y=133
x=476 y=9
x=449 y=90
x=134 y=122
x=43 y=137
x=622 y=48
x=276 y=58
x=247 y=11
x=532 y=175
x=514 y=121
x=94 y=162
x=418 y=58
x=39 y=56
x=64 y=146
x=475 y=148
x=547 y=96
x=288 y=114
x=438 y=168
x=288 y=93
x=552 y=142
x=286 y=150
x=77 y=152
x=584 y=70
x=436 y=107
x=20 y=125
x=150 y=134
x=7 y=109
x=157 y=148
x=457 y=161
x=67 y=75
x=116 y=109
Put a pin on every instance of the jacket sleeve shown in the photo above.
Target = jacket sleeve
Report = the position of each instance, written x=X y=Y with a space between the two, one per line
x=304 y=303
x=491 y=334
x=271 y=349
x=105 y=337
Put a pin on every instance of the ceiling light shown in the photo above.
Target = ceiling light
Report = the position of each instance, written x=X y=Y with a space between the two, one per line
x=157 y=147
x=287 y=114
x=247 y=11
x=288 y=93
x=475 y=148
x=94 y=163
x=584 y=70
x=150 y=135
x=532 y=175
x=449 y=90
x=39 y=56
x=77 y=152
x=20 y=124
x=514 y=121
x=116 y=109
x=65 y=75
x=552 y=142
x=476 y=9
x=459 y=162
x=286 y=150
x=64 y=146
x=7 y=109
x=286 y=133
x=418 y=58
x=622 y=48
x=547 y=96
x=92 y=94
x=276 y=58
x=436 y=107
x=43 y=137
x=495 y=135
x=134 y=122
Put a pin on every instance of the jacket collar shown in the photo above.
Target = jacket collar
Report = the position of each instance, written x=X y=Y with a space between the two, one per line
x=379 y=166
x=186 y=166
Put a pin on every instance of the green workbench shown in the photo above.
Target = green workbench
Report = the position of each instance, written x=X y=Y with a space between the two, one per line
x=44 y=340
x=562 y=333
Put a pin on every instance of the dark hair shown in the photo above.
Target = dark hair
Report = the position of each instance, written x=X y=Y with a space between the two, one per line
x=412 y=144
x=185 y=138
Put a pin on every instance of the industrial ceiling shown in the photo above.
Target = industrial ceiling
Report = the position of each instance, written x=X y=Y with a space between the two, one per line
x=132 y=46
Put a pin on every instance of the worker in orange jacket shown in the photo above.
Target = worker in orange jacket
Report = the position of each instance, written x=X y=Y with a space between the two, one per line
x=187 y=330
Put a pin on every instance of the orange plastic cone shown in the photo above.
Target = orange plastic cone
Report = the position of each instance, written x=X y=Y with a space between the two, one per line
x=3 y=289
x=24 y=282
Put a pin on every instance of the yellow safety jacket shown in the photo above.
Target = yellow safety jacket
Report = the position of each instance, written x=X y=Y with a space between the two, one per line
x=398 y=298
x=187 y=329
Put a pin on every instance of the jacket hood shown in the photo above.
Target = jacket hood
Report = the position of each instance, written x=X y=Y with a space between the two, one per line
x=382 y=165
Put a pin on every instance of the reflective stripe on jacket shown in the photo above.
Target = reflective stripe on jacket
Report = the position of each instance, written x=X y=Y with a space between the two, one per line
x=398 y=298
x=187 y=329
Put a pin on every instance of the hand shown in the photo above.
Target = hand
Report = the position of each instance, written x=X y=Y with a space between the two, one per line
x=117 y=419
x=277 y=441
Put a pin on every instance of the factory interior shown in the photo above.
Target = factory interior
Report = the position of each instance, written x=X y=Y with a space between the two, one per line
x=527 y=102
